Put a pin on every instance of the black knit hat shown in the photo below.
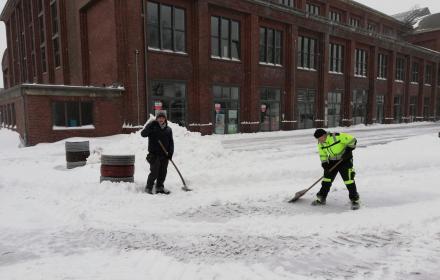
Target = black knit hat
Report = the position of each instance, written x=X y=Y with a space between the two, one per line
x=319 y=132
x=161 y=113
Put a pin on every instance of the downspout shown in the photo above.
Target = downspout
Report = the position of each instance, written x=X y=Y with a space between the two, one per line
x=137 y=85
x=145 y=79
x=26 y=127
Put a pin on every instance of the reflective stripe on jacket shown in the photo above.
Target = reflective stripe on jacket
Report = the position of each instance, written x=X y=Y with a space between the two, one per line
x=334 y=146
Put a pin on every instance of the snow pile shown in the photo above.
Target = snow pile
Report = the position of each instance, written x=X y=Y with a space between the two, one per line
x=63 y=224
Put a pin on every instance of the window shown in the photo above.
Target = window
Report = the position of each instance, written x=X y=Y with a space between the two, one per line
x=372 y=26
x=360 y=69
x=225 y=38
x=336 y=58
x=270 y=109
x=354 y=22
x=72 y=114
x=55 y=33
x=415 y=73
x=288 y=3
x=42 y=30
x=335 y=16
x=307 y=53
x=428 y=74
x=43 y=58
x=270 y=46
x=438 y=107
x=438 y=76
x=382 y=66
x=169 y=96
x=400 y=69
x=166 y=27
x=226 y=109
x=312 y=9
x=388 y=31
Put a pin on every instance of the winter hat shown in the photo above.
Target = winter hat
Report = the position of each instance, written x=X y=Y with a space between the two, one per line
x=319 y=132
x=161 y=113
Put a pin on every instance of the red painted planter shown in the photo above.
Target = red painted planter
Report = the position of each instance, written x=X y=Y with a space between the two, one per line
x=117 y=170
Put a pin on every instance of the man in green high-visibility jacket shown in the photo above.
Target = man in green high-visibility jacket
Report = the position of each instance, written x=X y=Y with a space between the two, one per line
x=334 y=147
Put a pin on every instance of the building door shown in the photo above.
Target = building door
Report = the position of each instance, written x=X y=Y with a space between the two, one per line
x=169 y=96
x=426 y=103
x=270 y=109
x=226 y=109
x=397 y=109
x=306 y=108
x=334 y=109
x=412 y=108
x=380 y=108
x=360 y=100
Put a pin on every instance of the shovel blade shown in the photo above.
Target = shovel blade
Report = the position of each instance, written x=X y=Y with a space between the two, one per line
x=185 y=188
x=298 y=195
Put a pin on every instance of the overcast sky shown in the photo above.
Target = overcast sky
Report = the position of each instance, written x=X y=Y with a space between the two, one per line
x=386 y=6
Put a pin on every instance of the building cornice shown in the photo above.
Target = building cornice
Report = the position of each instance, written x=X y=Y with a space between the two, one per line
x=7 y=9
x=60 y=90
x=367 y=34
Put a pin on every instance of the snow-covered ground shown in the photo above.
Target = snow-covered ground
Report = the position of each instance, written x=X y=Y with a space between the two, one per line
x=236 y=224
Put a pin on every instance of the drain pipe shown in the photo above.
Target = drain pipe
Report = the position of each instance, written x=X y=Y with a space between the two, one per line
x=137 y=85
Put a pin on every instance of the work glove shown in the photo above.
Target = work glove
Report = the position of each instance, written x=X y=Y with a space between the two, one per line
x=155 y=123
x=347 y=154
x=325 y=165
x=170 y=156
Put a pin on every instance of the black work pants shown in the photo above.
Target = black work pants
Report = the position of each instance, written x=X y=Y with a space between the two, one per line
x=158 y=171
x=347 y=172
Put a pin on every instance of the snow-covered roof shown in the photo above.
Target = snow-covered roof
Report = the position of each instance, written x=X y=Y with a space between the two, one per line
x=428 y=23
x=413 y=15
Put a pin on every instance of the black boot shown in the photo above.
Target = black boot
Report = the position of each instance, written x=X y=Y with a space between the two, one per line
x=149 y=190
x=320 y=200
x=162 y=190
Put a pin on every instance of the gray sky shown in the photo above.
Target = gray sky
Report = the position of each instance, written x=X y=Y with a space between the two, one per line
x=386 y=6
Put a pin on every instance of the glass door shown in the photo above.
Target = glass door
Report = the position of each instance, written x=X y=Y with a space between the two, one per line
x=334 y=109
x=270 y=109
x=379 y=108
x=306 y=108
x=359 y=101
x=226 y=109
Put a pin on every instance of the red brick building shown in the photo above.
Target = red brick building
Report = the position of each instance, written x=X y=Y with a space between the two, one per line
x=98 y=67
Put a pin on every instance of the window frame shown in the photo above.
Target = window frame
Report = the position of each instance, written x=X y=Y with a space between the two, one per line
x=307 y=53
x=361 y=63
x=400 y=69
x=161 y=29
x=382 y=66
x=228 y=36
x=277 y=47
x=80 y=104
x=336 y=58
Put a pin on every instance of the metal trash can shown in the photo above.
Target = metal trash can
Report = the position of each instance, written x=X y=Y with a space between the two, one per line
x=77 y=153
x=117 y=168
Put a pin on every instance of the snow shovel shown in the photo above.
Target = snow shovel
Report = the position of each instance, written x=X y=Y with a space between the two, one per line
x=303 y=192
x=185 y=188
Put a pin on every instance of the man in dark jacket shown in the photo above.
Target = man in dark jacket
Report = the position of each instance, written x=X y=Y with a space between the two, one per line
x=158 y=130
